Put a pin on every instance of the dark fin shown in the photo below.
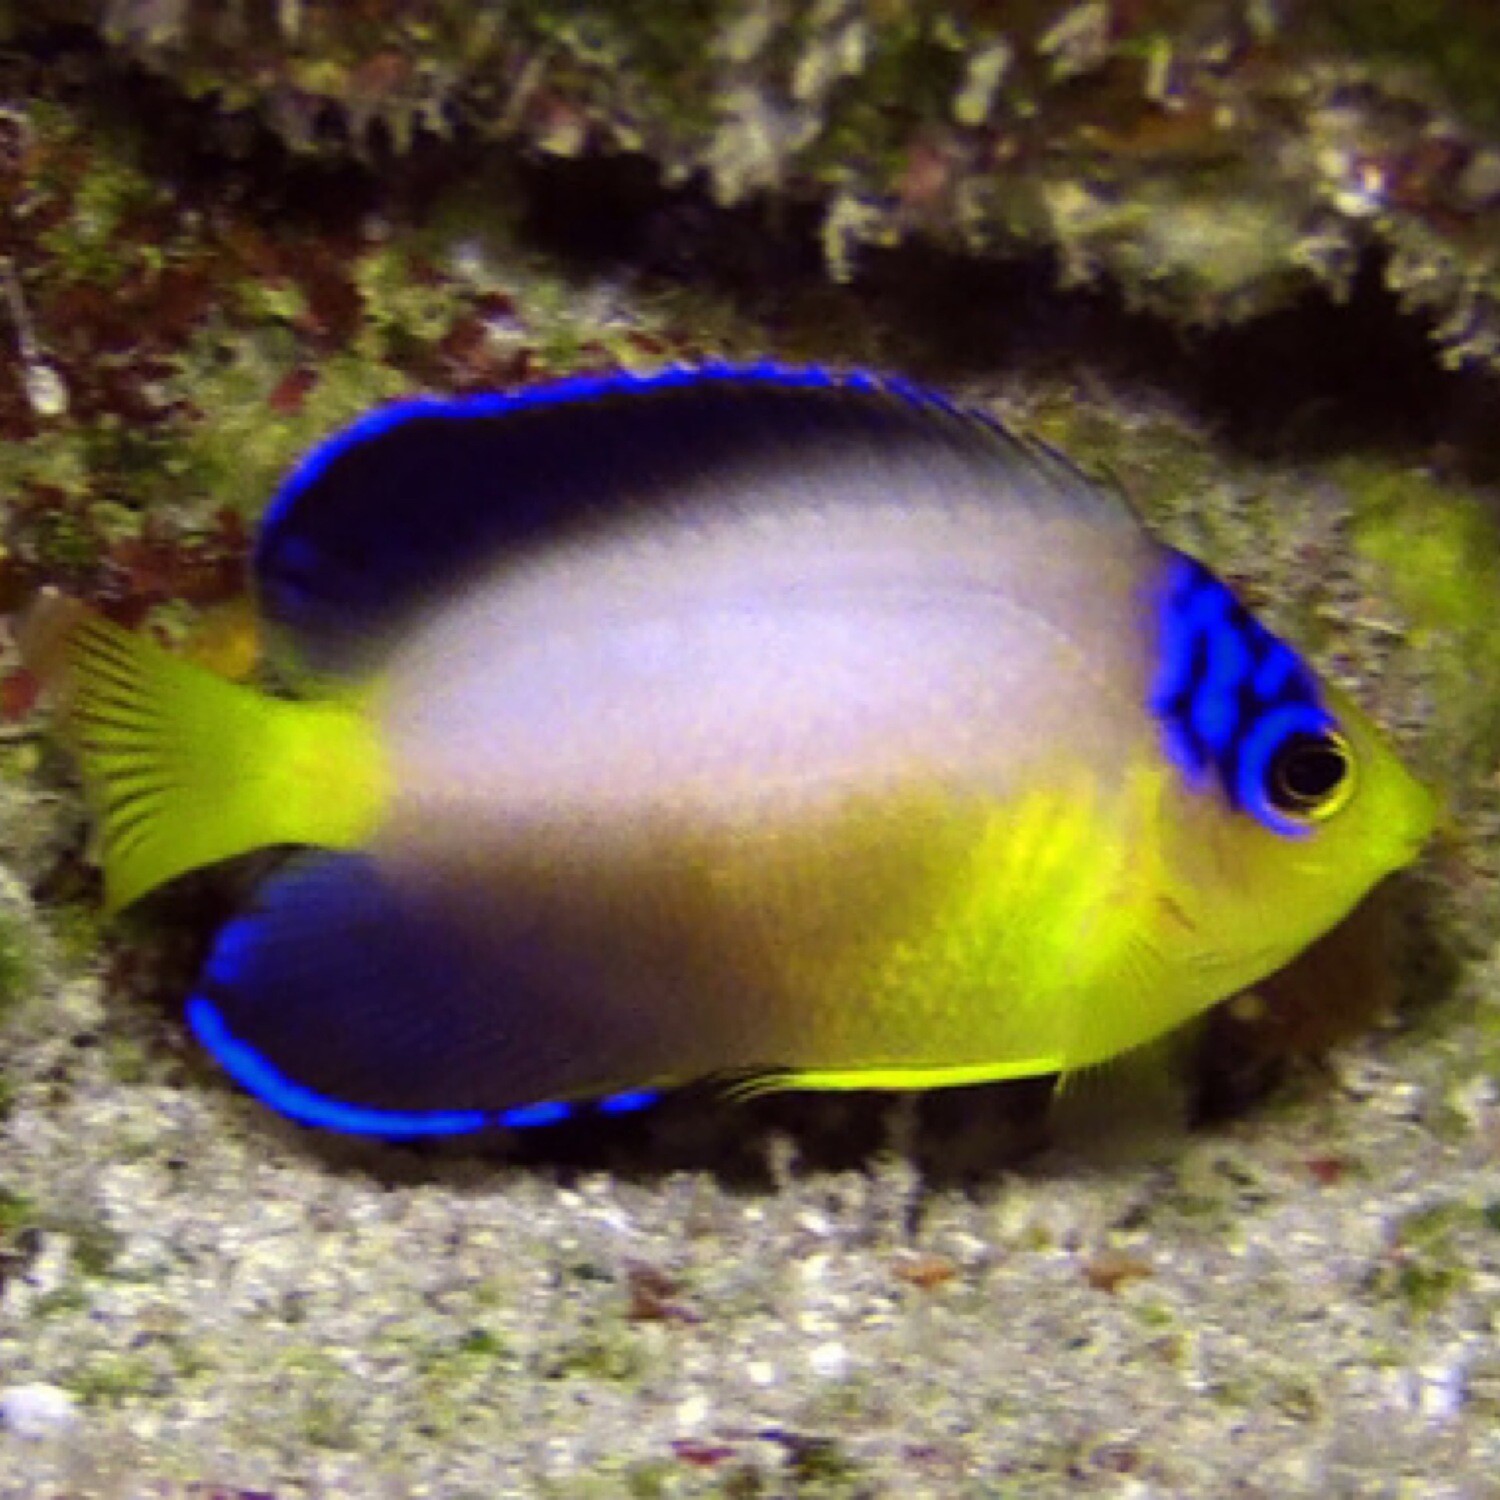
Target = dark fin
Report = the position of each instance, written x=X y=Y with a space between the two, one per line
x=1130 y=1106
x=345 y=1004
x=402 y=505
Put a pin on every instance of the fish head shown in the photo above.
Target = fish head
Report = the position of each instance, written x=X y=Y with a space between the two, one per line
x=1285 y=804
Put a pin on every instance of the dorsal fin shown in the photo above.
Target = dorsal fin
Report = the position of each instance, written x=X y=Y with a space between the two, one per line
x=399 y=507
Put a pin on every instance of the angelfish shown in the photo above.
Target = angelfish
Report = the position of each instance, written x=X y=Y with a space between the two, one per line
x=765 y=723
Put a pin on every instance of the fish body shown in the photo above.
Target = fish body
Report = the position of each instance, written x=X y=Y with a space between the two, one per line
x=750 y=722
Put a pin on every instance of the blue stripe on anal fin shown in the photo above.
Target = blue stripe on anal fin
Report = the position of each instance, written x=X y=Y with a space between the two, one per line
x=345 y=1004
x=251 y=1071
x=627 y=1103
x=408 y=501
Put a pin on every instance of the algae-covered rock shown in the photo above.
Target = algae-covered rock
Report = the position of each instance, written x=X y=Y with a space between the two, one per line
x=1042 y=207
x=1212 y=159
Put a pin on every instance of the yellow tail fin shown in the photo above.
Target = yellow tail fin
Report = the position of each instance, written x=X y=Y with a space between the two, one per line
x=183 y=768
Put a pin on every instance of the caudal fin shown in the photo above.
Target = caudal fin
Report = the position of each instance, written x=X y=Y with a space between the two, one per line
x=182 y=768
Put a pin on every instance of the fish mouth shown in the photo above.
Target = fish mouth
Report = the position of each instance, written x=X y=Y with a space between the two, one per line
x=1444 y=827
x=1430 y=815
x=1435 y=812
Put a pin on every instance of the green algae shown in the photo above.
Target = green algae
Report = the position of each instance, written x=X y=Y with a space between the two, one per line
x=103 y=201
x=17 y=1212
x=1214 y=253
x=822 y=1466
x=402 y=312
x=1453 y=44
x=18 y=961
x=1134 y=149
x=652 y=1479
x=1438 y=550
x=119 y=1377
x=95 y=1246
x=63 y=1301
x=614 y=1357
x=1435 y=551
x=238 y=458
x=1430 y=1262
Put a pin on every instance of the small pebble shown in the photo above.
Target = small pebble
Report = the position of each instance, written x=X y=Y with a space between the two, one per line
x=926 y=1271
x=1441 y=1391
x=692 y=1411
x=37 y=1411
x=1109 y=1270
x=45 y=389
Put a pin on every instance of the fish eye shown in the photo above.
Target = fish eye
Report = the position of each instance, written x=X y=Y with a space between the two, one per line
x=1310 y=776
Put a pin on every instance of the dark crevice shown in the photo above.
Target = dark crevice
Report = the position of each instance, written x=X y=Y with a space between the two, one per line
x=1316 y=377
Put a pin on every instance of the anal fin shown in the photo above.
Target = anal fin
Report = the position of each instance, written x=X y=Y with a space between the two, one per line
x=345 y=1001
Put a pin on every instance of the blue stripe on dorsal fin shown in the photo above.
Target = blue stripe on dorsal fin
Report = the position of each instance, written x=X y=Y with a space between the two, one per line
x=344 y=1004
x=399 y=507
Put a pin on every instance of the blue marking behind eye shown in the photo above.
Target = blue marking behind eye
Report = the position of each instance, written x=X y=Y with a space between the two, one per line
x=1177 y=645
x=1265 y=737
x=1216 y=710
x=255 y=1073
x=629 y=1102
x=1226 y=690
x=1215 y=716
x=1228 y=660
x=1275 y=673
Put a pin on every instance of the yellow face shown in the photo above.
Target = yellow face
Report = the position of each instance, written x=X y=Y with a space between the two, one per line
x=1282 y=805
x=1372 y=818
x=1340 y=813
